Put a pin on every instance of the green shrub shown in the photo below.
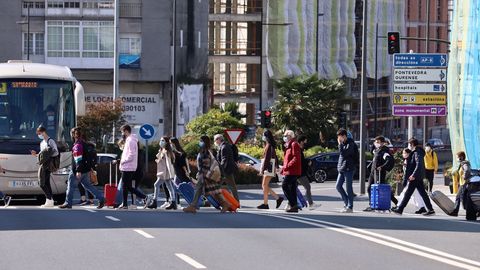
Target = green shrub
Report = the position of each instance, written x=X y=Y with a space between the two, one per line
x=257 y=152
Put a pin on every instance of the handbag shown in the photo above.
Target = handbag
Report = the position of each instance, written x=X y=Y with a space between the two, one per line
x=270 y=171
x=93 y=177
x=214 y=173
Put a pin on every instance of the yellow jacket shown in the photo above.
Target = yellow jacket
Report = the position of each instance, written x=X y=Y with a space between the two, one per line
x=431 y=161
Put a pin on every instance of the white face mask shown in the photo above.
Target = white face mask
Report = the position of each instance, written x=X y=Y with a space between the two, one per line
x=459 y=160
x=264 y=138
x=377 y=145
x=428 y=149
x=411 y=147
x=285 y=139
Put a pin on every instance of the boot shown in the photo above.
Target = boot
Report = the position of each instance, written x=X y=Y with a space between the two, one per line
x=153 y=205
x=190 y=209
x=172 y=206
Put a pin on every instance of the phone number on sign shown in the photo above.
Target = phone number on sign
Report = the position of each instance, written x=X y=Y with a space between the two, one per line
x=133 y=108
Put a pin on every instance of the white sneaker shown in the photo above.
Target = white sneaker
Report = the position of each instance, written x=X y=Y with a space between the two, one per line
x=165 y=205
x=132 y=207
x=346 y=210
x=48 y=204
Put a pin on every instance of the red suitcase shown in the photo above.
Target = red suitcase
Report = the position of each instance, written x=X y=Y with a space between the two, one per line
x=110 y=190
x=234 y=204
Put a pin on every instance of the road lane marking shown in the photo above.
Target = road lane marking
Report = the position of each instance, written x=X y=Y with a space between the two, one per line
x=411 y=248
x=395 y=240
x=144 y=234
x=112 y=218
x=190 y=261
x=89 y=210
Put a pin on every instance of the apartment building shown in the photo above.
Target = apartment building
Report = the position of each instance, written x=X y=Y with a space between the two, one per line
x=80 y=34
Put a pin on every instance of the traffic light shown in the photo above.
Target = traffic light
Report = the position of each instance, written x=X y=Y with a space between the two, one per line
x=393 y=42
x=342 y=120
x=266 y=119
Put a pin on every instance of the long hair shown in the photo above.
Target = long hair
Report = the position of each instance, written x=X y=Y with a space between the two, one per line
x=177 y=145
x=168 y=148
x=208 y=143
x=270 y=139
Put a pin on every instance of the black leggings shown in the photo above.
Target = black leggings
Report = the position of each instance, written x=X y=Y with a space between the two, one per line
x=127 y=187
x=45 y=183
x=429 y=174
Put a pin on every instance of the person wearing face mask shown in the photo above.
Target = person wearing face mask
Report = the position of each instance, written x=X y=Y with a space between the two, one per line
x=204 y=183
x=165 y=174
x=381 y=155
x=267 y=171
x=431 y=165
x=414 y=174
x=227 y=163
x=417 y=199
x=47 y=144
x=292 y=169
x=461 y=177
x=80 y=172
x=346 y=168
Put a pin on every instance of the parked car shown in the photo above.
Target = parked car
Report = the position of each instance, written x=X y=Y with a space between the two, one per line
x=255 y=163
x=323 y=167
x=104 y=158
x=436 y=143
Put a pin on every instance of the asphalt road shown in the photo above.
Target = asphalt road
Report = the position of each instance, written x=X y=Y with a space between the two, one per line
x=87 y=238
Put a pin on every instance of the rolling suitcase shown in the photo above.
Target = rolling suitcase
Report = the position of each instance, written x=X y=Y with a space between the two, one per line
x=443 y=202
x=234 y=204
x=213 y=202
x=188 y=192
x=110 y=190
x=301 y=200
x=380 y=196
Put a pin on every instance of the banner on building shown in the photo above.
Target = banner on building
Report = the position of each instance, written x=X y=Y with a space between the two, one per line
x=138 y=108
x=189 y=105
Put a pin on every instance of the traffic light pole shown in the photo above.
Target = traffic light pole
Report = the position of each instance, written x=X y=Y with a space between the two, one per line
x=363 y=102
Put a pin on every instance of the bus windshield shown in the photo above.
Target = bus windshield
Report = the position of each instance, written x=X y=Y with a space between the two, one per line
x=26 y=104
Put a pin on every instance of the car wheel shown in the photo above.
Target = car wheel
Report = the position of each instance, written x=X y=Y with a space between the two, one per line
x=320 y=176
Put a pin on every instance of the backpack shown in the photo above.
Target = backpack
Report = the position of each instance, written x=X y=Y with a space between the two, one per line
x=389 y=162
x=356 y=155
x=89 y=155
x=54 y=161
x=236 y=157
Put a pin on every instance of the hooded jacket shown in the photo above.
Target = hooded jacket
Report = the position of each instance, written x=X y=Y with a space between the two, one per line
x=129 y=159
x=346 y=161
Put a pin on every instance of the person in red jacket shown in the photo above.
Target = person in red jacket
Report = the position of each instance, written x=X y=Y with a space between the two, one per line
x=292 y=169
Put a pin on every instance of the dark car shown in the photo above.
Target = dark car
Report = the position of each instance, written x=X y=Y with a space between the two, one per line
x=323 y=167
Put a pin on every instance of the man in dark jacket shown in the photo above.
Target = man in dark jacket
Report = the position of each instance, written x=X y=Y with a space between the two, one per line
x=414 y=173
x=227 y=163
x=381 y=156
x=346 y=168
x=80 y=172
x=303 y=180
x=292 y=169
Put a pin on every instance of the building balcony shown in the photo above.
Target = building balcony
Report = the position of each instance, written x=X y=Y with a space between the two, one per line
x=81 y=63
x=79 y=12
x=234 y=59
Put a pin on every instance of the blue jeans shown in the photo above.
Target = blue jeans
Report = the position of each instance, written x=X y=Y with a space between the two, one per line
x=347 y=197
x=85 y=180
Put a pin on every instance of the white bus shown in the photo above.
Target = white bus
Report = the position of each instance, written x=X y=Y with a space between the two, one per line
x=34 y=94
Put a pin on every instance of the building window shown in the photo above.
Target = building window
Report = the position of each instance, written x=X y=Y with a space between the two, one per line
x=36 y=43
x=130 y=45
x=55 y=4
x=89 y=39
x=71 y=4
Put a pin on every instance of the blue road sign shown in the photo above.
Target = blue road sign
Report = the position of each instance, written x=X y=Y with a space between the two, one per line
x=147 y=131
x=420 y=60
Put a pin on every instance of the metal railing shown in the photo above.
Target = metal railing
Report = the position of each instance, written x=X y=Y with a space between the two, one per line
x=130 y=10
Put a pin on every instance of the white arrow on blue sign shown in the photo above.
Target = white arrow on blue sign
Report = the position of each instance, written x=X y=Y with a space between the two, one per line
x=147 y=131
x=420 y=60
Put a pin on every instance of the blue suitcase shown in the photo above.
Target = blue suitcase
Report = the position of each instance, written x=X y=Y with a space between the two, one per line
x=380 y=196
x=188 y=192
x=301 y=200
x=213 y=202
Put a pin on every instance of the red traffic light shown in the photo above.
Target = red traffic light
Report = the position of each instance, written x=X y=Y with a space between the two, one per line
x=392 y=37
x=268 y=113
